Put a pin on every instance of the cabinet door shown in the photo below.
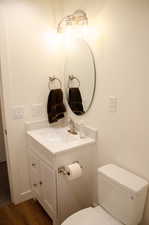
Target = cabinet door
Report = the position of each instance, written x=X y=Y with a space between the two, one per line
x=35 y=175
x=48 y=187
x=35 y=184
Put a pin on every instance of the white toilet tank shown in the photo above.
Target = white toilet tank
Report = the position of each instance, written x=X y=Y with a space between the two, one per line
x=122 y=193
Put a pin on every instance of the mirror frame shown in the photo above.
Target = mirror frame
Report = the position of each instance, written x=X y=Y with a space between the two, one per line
x=95 y=74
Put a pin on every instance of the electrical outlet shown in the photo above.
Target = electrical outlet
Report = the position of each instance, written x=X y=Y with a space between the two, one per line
x=18 y=112
x=37 y=110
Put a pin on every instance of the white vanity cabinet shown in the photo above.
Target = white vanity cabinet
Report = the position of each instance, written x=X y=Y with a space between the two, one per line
x=48 y=179
x=43 y=182
x=58 y=195
x=35 y=178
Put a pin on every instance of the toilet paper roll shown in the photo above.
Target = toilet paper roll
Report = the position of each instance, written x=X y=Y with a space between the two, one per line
x=74 y=171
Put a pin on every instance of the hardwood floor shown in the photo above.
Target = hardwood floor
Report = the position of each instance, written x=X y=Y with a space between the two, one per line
x=27 y=213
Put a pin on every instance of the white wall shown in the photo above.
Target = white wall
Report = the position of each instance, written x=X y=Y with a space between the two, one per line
x=27 y=59
x=121 y=54
x=122 y=61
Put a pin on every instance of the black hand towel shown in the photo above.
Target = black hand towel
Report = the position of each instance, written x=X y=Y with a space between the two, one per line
x=55 y=105
x=75 y=101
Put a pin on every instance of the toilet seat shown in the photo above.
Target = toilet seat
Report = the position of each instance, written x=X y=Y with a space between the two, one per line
x=91 y=216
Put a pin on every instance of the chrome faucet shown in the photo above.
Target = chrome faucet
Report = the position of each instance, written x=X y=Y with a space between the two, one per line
x=72 y=128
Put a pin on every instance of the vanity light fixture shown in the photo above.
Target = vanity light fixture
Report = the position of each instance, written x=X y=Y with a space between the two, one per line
x=76 y=20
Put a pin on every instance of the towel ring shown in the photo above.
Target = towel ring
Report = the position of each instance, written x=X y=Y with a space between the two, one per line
x=71 y=78
x=51 y=79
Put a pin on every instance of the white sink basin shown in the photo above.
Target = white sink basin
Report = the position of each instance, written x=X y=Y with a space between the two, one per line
x=56 y=134
x=58 y=139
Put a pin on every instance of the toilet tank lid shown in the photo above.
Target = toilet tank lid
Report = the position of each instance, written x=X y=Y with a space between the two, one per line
x=123 y=177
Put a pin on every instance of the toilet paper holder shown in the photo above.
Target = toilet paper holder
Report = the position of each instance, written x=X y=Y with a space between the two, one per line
x=62 y=169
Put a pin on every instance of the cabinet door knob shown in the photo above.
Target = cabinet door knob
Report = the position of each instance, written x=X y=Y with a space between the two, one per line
x=33 y=164
x=35 y=185
x=40 y=183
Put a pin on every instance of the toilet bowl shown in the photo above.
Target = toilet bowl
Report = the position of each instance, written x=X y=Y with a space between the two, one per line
x=121 y=199
x=91 y=216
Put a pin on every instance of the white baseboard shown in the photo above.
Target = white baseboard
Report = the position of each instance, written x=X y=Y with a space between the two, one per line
x=24 y=196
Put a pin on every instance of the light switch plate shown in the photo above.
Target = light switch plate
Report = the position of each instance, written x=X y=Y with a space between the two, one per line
x=112 y=104
x=18 y=112
x=37 y=110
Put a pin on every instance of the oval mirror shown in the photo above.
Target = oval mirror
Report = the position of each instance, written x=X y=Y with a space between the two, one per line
x=80 y=76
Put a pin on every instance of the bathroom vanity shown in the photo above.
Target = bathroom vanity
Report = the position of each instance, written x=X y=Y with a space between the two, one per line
x=49 y=150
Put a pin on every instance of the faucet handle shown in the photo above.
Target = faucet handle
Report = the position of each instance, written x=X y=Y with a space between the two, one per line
x=71 y=125
x=70 y=120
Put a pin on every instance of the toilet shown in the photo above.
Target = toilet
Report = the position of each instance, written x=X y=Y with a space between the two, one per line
x=121 y=199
